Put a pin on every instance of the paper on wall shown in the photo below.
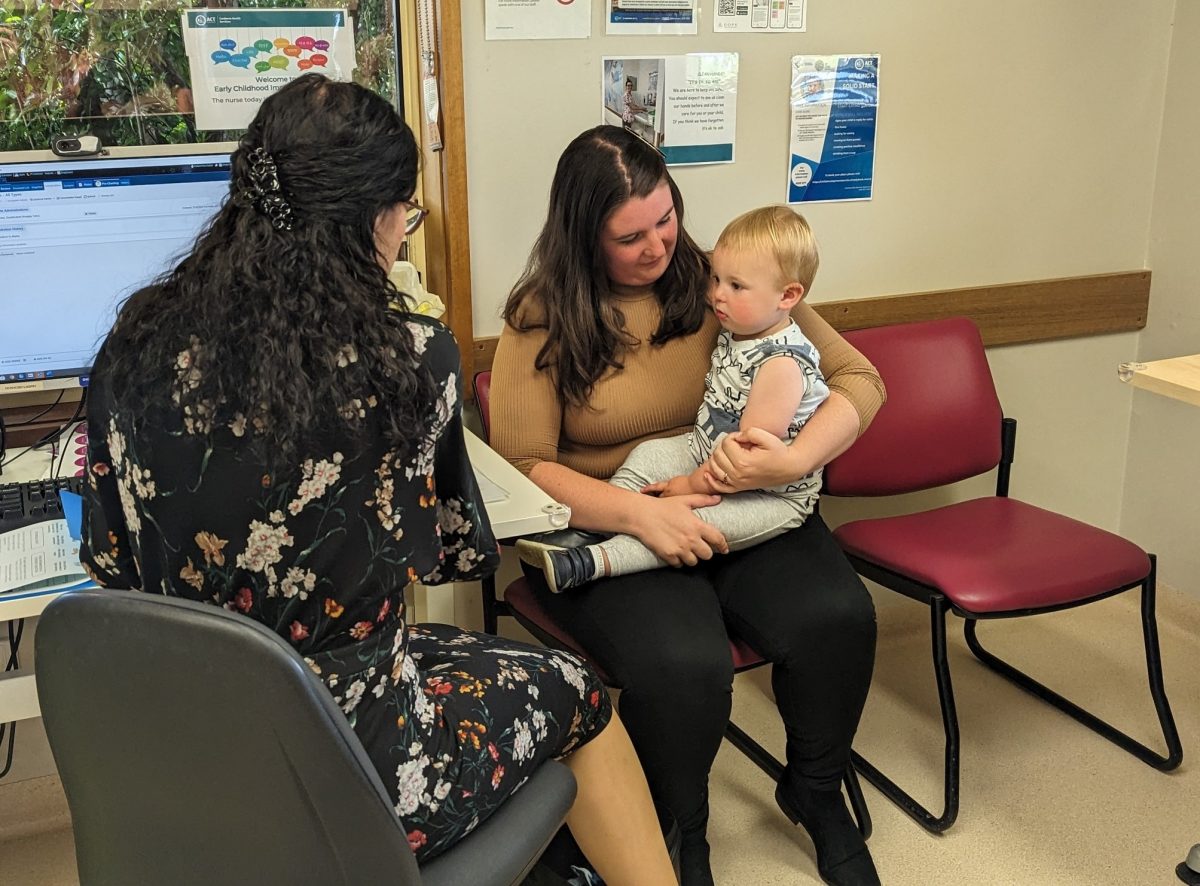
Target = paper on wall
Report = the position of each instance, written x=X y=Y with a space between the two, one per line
x=538 y=19
x=835 y=105
x=652 y=16
x=761 y=16
x=683 y=105
x=238 y=57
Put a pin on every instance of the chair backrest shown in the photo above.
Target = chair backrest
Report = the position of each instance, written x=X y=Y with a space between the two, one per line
x=942 y=419
x=195 y=746
x=483 y=400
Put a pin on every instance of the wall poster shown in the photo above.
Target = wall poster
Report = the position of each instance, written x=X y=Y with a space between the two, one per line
x=683 y=105
x=239 y=57
x=835 y=104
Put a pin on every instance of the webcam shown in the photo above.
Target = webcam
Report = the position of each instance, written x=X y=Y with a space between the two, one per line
x=77 y=146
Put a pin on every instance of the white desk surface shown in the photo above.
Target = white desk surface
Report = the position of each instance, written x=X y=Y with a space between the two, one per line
x=526 y=509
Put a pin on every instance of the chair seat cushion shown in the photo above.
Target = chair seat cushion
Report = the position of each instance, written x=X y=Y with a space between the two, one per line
x=994 y=555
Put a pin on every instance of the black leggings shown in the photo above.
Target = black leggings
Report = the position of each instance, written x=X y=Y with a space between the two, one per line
x=662 y=637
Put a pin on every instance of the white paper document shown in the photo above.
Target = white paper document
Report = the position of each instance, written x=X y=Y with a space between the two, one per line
x=538 y=19
x=42 y=555
x=761 y=16
x=489 y=488
x=652 y=16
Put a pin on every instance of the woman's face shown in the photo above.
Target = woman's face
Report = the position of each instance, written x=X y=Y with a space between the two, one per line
x=389 y=233
x=638 y=239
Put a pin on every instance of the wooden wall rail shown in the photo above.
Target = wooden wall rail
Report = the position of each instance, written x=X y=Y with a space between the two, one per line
x=1006 y=314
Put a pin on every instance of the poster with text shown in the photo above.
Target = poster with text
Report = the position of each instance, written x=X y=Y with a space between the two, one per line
x=835 y=105
x=240 y=56
x=652 y=16
x=683 y=105
x=761 y=16
x=538 y=19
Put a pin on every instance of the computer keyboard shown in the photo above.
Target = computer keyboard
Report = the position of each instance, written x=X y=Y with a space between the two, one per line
x=33 y=501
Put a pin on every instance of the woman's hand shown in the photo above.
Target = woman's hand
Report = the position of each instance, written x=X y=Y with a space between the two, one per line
x=670 y=528
x=756 y=459
x=750 y=459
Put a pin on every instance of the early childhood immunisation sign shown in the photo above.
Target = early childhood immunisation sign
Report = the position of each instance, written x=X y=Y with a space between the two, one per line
x=240 y=56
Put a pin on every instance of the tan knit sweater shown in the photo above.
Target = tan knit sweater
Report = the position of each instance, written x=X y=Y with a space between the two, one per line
x=655 y=395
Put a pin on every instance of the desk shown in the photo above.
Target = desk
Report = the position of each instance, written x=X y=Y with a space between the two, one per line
x=1178 y=377
x=526 y=509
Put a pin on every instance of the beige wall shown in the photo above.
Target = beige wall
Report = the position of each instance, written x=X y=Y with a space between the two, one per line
x=1016 y=141
x=1162 y=485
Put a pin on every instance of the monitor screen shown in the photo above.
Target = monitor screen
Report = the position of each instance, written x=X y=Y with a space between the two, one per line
x=78 y=236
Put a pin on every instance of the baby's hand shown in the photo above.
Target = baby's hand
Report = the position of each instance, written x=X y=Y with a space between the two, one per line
x=667 y=488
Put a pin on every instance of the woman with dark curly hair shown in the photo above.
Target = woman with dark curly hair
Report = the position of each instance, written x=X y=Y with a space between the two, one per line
x=272 y=431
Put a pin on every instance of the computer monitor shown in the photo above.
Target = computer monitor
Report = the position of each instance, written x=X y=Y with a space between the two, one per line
x=78 y=236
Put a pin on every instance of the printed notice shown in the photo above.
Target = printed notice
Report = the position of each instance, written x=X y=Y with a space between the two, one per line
x=683 y=105
x=40 y=556
x=239 y=57
x=835 y=105
x=538 y=19
x=761 y=16
x=652 y=16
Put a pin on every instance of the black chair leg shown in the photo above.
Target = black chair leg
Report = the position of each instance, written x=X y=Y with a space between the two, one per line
x=1166 y=721
x=491 y=616
x=765 y=761
x=933 y=823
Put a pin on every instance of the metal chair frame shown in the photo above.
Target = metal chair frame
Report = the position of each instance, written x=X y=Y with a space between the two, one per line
x=940 y=605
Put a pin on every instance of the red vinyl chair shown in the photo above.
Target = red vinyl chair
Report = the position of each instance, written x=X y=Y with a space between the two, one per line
x=520 y=603
x=987 y=558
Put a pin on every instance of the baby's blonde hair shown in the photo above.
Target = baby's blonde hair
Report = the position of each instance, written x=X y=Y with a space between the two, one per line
x=778 y=232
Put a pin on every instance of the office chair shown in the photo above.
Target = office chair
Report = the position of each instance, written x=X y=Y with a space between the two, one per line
x=520 y=603
x=987 y=558
x=196 y=746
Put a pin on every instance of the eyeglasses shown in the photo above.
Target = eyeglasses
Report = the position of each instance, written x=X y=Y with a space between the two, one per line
x=416 y=215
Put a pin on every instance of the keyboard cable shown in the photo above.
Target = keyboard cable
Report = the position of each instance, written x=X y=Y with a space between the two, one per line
x=46 y=438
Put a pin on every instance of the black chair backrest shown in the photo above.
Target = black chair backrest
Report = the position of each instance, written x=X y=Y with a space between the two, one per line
x=196 y=746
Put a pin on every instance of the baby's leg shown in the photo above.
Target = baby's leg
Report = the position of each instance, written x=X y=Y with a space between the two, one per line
x=654 y=461
x=744 y=518
x=752 y=517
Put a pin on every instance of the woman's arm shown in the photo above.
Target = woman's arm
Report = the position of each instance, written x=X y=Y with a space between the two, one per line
x=105 y=548
x=526 y=420
x=757 y=459
x=668 y=526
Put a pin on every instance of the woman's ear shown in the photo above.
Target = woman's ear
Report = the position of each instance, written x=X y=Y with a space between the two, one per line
x=792 y=295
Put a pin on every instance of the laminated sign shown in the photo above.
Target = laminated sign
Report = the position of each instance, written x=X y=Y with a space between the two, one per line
x=835 y=105
x=238 y=57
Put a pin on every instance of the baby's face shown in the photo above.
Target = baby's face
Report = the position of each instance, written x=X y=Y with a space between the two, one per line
x=746 y=292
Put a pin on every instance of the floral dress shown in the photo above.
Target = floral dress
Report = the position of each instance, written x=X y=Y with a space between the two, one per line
x=454 y=721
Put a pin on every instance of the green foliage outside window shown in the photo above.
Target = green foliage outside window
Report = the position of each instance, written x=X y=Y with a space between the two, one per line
x=117 y=68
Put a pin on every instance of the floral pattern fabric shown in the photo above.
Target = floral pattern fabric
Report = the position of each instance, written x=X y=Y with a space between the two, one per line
x=454 y=721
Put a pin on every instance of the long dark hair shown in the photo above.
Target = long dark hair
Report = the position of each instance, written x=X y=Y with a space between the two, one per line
x=282 y=321
x=565 y=287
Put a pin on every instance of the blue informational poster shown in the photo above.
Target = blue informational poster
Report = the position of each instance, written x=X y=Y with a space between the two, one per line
x=835 y=105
